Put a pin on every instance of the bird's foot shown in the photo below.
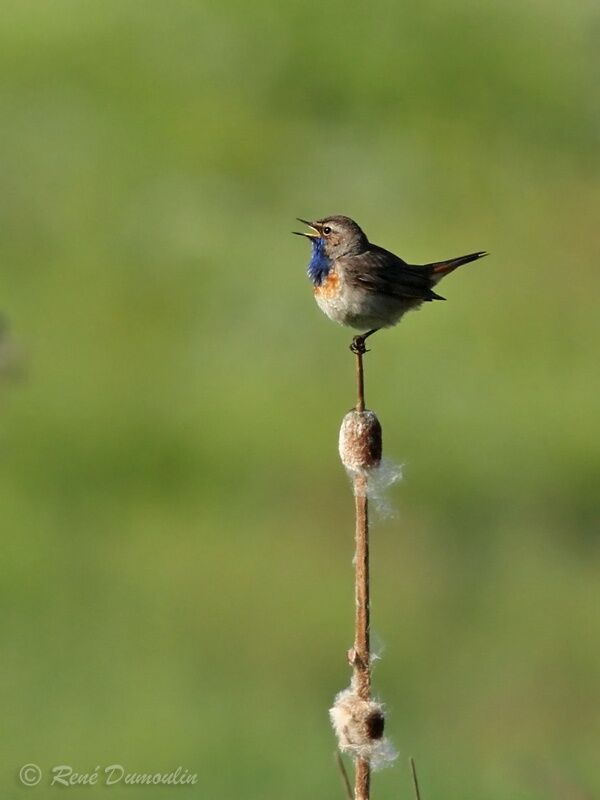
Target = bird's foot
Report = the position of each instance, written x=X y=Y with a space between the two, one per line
x=358 y=346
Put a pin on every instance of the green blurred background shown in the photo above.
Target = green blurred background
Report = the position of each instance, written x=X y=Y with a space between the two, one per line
x=176 y=526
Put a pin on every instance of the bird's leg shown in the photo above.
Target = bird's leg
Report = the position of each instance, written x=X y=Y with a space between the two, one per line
x=358 y=343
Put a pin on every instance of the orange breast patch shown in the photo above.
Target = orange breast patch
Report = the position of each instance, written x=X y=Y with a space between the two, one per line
x=330 y=286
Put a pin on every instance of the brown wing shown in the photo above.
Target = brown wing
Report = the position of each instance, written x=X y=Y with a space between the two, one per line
x=377 y=270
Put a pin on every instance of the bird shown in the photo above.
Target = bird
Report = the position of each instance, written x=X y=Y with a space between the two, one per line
x=361 y=285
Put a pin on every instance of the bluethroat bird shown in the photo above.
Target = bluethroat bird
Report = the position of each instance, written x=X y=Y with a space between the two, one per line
x=359 y=284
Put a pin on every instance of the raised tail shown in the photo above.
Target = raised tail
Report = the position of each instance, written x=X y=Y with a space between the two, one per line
x=441 y=268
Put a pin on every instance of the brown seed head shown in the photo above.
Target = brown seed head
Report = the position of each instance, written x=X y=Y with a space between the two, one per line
x=360 y=441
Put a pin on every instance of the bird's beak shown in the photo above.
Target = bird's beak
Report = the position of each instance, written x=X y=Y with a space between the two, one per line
x=314 y=232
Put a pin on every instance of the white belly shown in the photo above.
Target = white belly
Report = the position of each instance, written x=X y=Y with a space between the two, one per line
x=360 y=309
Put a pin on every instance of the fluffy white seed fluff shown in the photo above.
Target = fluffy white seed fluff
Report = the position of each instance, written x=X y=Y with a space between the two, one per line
x=358 y=725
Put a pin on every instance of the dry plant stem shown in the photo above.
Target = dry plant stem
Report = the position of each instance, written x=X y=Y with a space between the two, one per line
x=360 y=452
x=362 y=781
x=362 y=654
x=362 y=665
x=415 y=779
x=344 y=774
x=360 y=383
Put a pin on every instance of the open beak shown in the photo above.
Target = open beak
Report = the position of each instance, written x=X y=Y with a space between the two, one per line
x=314 y=232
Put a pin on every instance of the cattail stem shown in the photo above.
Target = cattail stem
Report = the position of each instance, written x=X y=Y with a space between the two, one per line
x=362 y=780
x=362 y=649
x=360 y=383
x=357 y=719
x=362 y=646
x=362 y=656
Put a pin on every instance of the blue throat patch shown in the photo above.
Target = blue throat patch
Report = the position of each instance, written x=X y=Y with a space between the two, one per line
x=320 y=263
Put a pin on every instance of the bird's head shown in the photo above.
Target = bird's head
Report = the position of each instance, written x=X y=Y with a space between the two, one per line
x=334 y=237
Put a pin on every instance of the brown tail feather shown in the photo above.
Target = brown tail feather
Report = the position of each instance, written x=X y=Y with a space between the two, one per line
x=441 y=268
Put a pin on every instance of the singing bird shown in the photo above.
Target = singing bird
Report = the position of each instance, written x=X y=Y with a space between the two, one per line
x=360 y=284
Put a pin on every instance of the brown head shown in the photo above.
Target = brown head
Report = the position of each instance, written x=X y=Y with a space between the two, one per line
x=336 y=236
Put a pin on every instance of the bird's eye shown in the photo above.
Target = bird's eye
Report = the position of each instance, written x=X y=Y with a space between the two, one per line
x=326 y=230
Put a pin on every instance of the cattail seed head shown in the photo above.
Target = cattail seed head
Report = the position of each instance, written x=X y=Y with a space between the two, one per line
x=360 y=441
x=359 y=725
